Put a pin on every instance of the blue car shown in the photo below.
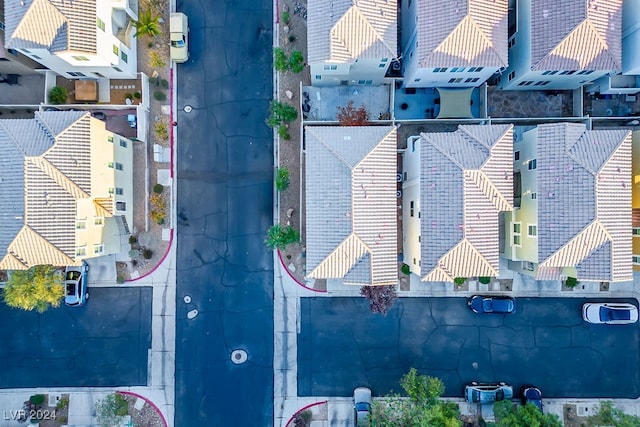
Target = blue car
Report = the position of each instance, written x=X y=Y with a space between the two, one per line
x=487 y=393
x=492 y=304
x=75 y=283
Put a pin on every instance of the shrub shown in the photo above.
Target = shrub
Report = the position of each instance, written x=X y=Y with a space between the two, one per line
x=147 y=24
x=282 y=179
x=121 y=405
x=291 y=38
x=279 y=237
x=37 y=399
x=380 y=298
x=62 y=403
x=137 y=95
x=120 y=280
x=57 y=95
x=62 y=419
x=147 y=253
x=285 y=17
x=283 y=132
x=109 y=410
x=161 y=130
x=351 y=116
x=155 y=60
x=133 y=239
x=158 y=188
x=280 y=61
x=281 y=112
x=157 y=216
x=571 y=282
x=164 y=83
x=157 y=201
x=159 y=96
x=459 y=280
x=296 y=61
x=149 y=45
x=405 y=269
x=484 y=280
x=128 y=96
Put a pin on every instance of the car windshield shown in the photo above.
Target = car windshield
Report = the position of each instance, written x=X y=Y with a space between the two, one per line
x=363 y=407
x=72 y=275
x=177 y=43
x=71 y=289
x=607 y=314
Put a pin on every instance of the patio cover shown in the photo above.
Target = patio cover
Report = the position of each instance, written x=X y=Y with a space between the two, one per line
x=86 y=90
x=455 y=103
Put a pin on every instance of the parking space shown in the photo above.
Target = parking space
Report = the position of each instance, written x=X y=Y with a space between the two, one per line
x=102 y=344
x=342 y=345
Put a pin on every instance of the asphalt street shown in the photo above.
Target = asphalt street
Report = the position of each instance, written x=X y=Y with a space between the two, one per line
x=105 y=343
x=342 y=345
x=225 y=204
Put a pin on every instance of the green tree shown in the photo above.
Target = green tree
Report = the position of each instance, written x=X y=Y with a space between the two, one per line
x=281 y=112
x=527 y=415
x=111 y=410
x=296 y=61
x=36 y=288
x=279 y=237
x=608 y=415
x=147 y=25
x=280 y=61
x=282 y=179
x=57 y=95
x=423 y=408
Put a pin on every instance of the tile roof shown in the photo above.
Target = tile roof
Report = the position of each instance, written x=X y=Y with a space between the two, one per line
x=576 y=35
x=55 y=25
x=351 y=204
x=341 y=31
x=466 y=180
x=584 y=201
x=462 y=33
x=46 y=169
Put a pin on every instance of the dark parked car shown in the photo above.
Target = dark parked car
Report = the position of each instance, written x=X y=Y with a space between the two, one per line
x=492 y=304
x=531 y=394
x=75 y=283
x=99 y=115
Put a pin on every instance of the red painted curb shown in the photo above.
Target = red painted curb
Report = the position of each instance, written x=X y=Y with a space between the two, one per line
x=159 y=262
x=171 y=121
x=296 y=280
x=304 y=409
x=153 y=405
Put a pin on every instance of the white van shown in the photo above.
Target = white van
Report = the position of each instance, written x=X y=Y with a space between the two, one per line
x=179 y=37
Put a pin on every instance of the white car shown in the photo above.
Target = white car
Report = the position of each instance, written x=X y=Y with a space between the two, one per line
x=615 y=313
x=179 y=26
x=362 y=405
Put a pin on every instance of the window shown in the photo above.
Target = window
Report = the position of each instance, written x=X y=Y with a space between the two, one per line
x=527 y=265
x=81 y=224
x=119 y=191
x=439 y=70
x=517 y=236
x=516 y=155
x=75 y=74
x=414 y=261
x=413 y=146
x=532 y=230
x=318 y=77
x=385 y=59
x=382 y=65
x=81 y=251
x=472 y=79
x=80 y=58
x=119 y=166
x=478 y=69
x=411 y=208
x=116 y=49
x=98 y=249
x=534 y=196
x=546 y=82
x=121 y=206
x=100 y=24
x=112 y=190
x=516 y=227
x=110 y=138
x=512 y=75
x=455 y=80
x=416 y=80
x=117 y=69
x=636 y=231
x=533 y=164
x=99 y=221
x=511 y=42
x=636 y=259
x=110 y=164
x=585 y=72
x=35 y=57
x=25 y=50
x=123 y=143
x=517 y=240
x=124 y=57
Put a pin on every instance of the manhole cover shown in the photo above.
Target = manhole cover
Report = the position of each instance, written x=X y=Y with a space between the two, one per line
x=187 y=299
x=188 y=108
x=192 y=314
x=239 y=356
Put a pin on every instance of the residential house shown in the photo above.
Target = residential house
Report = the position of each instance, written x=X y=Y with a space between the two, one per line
x=563 y=44
x=573 y=193
x=455 y=186
x=11 y=61
x=453 y=43
x=351 y=204
x=75 y=39
x=67 y=190
x=635 y=199
x=351 y=42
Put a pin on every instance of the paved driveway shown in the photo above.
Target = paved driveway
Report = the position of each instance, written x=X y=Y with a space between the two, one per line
x=225 y=182
x=103 y=344
x=342 y=345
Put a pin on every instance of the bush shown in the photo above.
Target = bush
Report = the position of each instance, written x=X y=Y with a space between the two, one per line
x=133 y=240
x=459 y=280
x=405 y=269
x=62 y=419
x=161 y=130
x=484 y=280
x=155 y=60
x=58 y=95
x=120 y=280
x=285 y=17
x=281 y=112
x=158 y=188
x=279 y=237
x=380 y=298
x=283 y=132
x=280 y=61
x=137 y=95
x=62 y=403
x=128 y=96
x=109 y=411
x=149 y=45
x=147 y=253
x=351 y=116
x=296 y=61
x=37 y=399
x=571 y=282
x=159 y=96
x=291 y=38
x=164 y=83
x=282 y=179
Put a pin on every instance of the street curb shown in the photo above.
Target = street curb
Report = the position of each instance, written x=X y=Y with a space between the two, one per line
x=304 y=408
x=295 y=279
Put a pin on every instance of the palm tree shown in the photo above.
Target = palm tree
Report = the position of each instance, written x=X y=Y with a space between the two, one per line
x=147 y=25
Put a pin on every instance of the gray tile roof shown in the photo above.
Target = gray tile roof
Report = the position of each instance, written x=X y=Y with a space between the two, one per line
x=584 y=200
x=462 y=33
x=55 y=25
x=576 y=35
x=341 y=31
x=351 y=204
x=45 y=167
x=466 y=180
